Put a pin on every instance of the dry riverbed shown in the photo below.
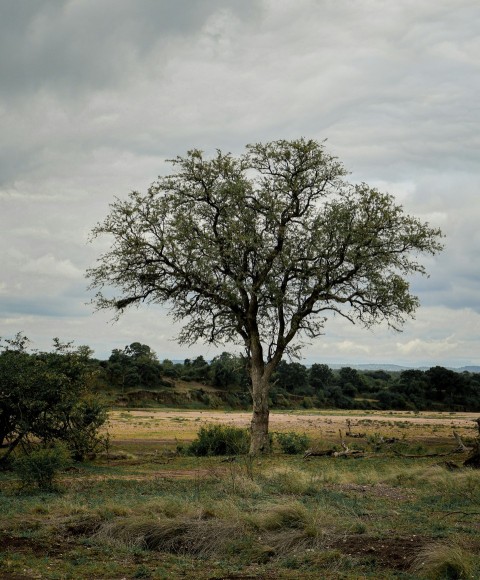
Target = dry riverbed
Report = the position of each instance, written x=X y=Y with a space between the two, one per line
x=173 y=426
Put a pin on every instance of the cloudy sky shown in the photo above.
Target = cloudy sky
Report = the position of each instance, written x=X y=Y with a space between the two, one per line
x=96 y=94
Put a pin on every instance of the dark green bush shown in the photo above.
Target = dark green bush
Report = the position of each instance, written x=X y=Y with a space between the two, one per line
x=40 y=467
x=293 y=443
x=220 y=440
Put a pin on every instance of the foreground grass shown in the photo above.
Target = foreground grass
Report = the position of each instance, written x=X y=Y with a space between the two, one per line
x=150 y=514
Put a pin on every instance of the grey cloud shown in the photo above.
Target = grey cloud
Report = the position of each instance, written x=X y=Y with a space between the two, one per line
x=95 y=95
x=74 y=46
x=49 y=306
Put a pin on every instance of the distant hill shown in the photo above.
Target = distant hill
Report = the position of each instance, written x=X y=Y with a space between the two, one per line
x=372 y=367
x=381 y=367
x=398 y=368
x=470 y=369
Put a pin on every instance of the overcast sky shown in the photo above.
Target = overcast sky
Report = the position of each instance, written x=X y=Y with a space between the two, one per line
x=96 y=94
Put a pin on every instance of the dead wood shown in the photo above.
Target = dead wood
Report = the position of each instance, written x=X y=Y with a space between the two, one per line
x=410 y=456
x=477 y=421
x=347 y=452
x=473 y=460
x=349 y=432
x=318 y=453
x=461 y=447
x=448 y=465
x=464 y=514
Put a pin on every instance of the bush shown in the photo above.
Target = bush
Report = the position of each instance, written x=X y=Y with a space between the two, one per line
x=220 y=440
x=40 y=467
x=47 y=396
x=293 y=443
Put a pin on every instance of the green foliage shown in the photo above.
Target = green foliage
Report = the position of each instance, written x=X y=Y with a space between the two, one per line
x=292 y=377
x=227 y=370
x=293 y=443
x=220 y=440
x=320 y=376
x=81 y=433
x=47 y=396
x=136 y=366
x=39 y=467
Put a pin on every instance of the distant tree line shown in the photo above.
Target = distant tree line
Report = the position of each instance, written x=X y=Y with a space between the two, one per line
x=136 y=367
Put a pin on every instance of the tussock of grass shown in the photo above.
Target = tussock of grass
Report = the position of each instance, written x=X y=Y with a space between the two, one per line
x=170 y=507
x=446 y=560
x=288 y=542
x=287 y=515
x=240 y=485
x=187 y=536
x=111 y=510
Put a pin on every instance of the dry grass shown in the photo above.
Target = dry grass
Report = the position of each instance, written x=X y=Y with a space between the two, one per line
x=291 y=480
x=194 y=536
x=286 y=515
x=444 y=560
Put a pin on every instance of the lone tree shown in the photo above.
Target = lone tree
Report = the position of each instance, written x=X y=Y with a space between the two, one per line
x=258 y=249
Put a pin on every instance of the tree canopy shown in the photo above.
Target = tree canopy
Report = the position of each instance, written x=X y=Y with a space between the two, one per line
x=259 y=249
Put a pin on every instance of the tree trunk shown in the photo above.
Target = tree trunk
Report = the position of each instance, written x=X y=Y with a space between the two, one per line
x=260 y=375
x=260 y=441
x=11 y=447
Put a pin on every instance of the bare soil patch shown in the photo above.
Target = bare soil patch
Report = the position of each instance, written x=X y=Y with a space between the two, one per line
x=388 y=552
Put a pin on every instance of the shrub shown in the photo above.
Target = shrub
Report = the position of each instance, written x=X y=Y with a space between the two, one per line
x=220 y=440
x=293 y=443
x=40 y=467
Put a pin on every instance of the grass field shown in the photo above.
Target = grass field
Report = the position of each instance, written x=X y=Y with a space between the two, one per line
x=144 y=511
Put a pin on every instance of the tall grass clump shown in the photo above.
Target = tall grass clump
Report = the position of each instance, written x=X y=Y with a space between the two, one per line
x=185 y=536
x=220 y=440
x=446 y=560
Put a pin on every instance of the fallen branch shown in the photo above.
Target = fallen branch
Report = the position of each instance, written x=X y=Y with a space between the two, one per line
x=461 y=513
x=347 y=452
x=473 y=460
x=461 y=447
x=423 y=455
x=316 y=453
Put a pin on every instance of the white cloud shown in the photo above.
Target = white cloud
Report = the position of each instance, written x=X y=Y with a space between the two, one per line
x=427 y=348
x=48 y=265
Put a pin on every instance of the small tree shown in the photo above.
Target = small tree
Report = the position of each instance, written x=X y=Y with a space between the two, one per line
x=258 y=250
x=46 y=395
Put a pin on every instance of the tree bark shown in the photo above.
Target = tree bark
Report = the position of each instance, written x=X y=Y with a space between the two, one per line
x=11 y=447
x=260 y=441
